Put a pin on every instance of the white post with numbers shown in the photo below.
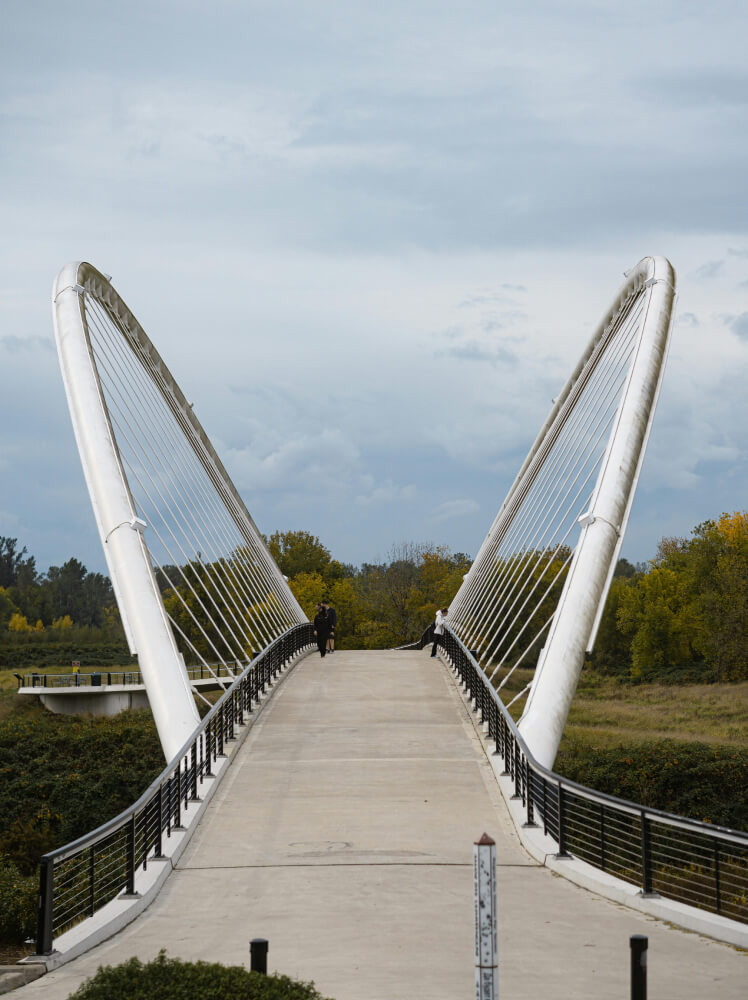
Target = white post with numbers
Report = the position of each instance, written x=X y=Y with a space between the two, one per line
x=486 y=919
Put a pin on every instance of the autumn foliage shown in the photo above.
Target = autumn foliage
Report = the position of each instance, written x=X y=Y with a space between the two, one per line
x=683 y=618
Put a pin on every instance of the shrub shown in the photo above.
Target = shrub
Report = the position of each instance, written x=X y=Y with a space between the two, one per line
x=46 y=649
x=63 y=776
x=17 y=902
x=171 y=979
x=697 y=780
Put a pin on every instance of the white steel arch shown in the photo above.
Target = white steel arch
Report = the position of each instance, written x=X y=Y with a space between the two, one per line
x=538 y=585
x=169 y=518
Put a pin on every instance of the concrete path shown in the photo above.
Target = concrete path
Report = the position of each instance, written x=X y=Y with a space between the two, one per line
x=344 y=834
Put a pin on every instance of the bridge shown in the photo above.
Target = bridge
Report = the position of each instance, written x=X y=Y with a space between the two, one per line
x=331 y=805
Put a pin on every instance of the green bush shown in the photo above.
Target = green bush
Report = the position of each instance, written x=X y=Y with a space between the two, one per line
x=62 y=776
x=171 y=979
x=34 y=653
x=697 y=780
x=17 y=902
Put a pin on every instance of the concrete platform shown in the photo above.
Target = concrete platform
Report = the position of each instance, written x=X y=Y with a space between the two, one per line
x=343 y=833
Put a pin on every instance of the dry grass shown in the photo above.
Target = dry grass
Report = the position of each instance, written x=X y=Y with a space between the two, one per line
x=608 y=712
x=702 y=713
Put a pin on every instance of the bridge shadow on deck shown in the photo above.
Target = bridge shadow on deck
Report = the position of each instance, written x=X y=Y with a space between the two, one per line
x=343 y=833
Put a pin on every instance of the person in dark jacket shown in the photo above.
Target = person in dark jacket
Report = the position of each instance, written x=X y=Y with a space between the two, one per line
x=332 y=618
x=321 y=629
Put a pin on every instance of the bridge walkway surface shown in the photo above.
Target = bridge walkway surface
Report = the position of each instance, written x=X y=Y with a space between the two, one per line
x=343 y=833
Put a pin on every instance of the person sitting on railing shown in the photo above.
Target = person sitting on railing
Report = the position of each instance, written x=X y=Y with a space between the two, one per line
x=441 y=614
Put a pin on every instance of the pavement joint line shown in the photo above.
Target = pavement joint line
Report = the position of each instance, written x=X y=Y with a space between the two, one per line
x=371 y=760
x=349 y=864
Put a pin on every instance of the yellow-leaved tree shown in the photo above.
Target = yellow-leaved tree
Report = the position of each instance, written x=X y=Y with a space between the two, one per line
x=18 y=623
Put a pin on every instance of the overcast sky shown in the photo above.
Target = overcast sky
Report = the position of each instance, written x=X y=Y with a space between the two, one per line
x=371 y=240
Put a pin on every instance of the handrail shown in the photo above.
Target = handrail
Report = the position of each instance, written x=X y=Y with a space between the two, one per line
x=707 y=867
x=77 y=879
x=129 y=677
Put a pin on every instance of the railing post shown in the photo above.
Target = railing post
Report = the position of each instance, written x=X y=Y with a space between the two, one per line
x=158 y=847
x=193 y=759
x=562 y=852
x=178 y=804
x=44 y=907
x=186 y=782
x=504 y=749
x=130 y=858
x=515 y=768
x=646 y=847
x=91 y=877
x=530 y=821
x=219 y=720
x=602 y=836
x=717 y=887
x=208 y=751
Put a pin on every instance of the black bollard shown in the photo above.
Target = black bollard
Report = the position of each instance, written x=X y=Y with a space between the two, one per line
x=258 y=951
x=639 y=945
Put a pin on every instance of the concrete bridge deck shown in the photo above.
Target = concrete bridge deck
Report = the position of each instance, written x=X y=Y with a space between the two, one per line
x=343 y=833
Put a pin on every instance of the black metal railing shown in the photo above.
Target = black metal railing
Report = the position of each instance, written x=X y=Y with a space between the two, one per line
x=681 y=859
x=107 y=678
x=78 y=879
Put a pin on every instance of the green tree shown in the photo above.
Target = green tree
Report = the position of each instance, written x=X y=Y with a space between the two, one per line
x=308 y=589
x=612 y=653
x=660 y=617
x=719 y=554
x=17 y=569
x=299 y=552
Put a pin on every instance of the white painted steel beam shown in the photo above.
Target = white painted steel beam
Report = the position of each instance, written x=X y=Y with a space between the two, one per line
x=114 y=377
x=586 y=589
x=643 y=307
x=137 y=593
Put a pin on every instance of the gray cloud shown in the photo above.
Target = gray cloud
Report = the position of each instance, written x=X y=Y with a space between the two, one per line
x=710 y=269
x=688 y=319
x=30 y=345
x=471 y=350
x=453 y=508
x=739 y=325
x=697 y=88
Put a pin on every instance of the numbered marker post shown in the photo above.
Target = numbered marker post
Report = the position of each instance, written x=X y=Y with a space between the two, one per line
x=486 y=920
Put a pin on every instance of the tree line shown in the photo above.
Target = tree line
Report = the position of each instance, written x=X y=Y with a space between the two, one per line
x=379 y=605
x=61 y=598
x=682 y=617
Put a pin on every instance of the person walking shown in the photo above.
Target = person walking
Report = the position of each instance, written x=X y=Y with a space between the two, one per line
x=321 y=629
x=332 y=619
x=441 y=614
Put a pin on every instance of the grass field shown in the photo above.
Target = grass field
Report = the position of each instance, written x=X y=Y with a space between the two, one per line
x=606 y=712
